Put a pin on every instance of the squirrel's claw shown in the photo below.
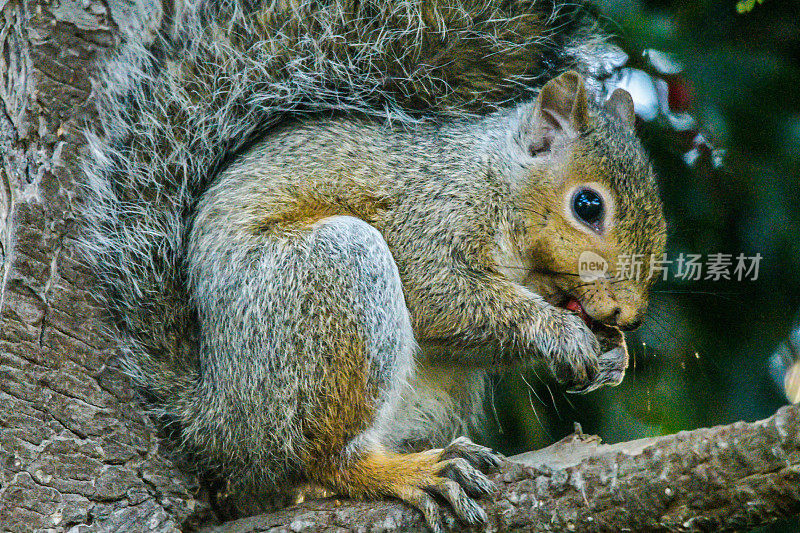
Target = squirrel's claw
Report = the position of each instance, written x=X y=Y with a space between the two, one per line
x=467 y=476
x=426 y=504
x=612 y=366
x=479 y=456
x=457 y=478
x=464 y=507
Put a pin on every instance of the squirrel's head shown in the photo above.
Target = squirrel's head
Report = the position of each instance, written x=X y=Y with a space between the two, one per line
x=592 y=215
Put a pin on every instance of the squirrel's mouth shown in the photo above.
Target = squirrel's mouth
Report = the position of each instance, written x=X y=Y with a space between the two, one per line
x=572 y=304
x=608 y=335
x=559 y=296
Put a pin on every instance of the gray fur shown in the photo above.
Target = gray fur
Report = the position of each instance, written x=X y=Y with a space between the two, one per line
x=234 y=110
x=176 y=106
x=268 y=308
x=445 y=193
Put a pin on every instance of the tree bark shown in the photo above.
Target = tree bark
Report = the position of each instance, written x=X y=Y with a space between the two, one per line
x=75 y=450
x=78 y=454
x=724 y=478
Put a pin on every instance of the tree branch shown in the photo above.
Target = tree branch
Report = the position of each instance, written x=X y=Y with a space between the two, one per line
x=713 y=479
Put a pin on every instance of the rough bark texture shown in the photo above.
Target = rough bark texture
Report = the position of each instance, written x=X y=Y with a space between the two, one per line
x=76 y=452
x=716 y=479
x=74 y=447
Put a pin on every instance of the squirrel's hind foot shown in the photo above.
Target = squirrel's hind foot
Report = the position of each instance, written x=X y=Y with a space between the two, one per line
x=459 y=477
x=454 y=474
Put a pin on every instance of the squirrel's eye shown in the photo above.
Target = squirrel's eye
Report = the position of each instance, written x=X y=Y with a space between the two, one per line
x=587 y=205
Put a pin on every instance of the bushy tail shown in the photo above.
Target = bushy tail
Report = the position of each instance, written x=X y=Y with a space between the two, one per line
x=217 y=75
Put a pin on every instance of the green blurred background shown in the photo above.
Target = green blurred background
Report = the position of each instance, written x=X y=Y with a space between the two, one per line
x=702 y=356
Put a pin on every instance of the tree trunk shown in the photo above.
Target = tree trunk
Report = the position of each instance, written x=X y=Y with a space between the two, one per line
x=78 y=454
x=74 y=449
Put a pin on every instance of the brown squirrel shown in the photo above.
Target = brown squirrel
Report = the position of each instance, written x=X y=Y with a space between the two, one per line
x=318 y=225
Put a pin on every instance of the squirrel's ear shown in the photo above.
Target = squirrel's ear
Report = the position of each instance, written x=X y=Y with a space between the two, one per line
x=621 y=106
x=560 y=111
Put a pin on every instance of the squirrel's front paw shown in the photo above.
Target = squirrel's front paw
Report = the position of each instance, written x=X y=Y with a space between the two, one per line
x=612 y=363
x=571 y=350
